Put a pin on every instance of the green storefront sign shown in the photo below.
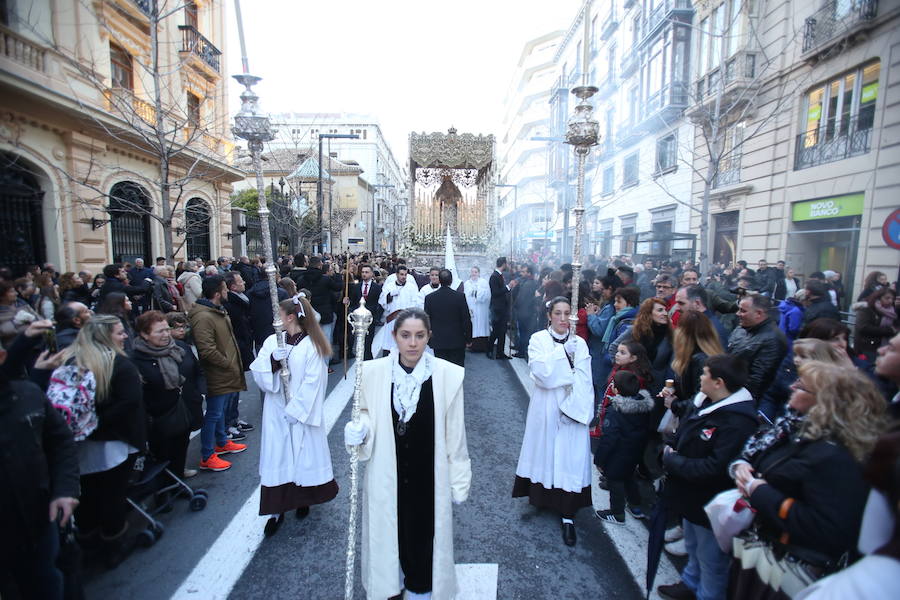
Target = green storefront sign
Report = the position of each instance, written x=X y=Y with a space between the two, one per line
x=828 y=208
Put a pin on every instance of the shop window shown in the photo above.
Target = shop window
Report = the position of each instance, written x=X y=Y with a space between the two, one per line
x=121 y=68
x=630 y=171
x=838 y=117
x=609 y=180
x=666 y=154
x=725 y=245
x=193 y=110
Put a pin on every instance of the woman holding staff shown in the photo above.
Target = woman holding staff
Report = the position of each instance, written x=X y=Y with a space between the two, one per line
x=411 y=432
x=294 y=462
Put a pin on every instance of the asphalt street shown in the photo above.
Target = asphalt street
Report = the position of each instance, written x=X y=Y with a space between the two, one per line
x=506 y=544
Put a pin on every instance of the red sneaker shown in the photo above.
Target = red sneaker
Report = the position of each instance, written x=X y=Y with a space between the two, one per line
x=230 y=448
x=214 y=463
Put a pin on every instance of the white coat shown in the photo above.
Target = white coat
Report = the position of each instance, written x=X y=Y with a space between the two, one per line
x=295 y=453
x=452 y=478
x=556 y=451
x=402 y=297
x=478 y=297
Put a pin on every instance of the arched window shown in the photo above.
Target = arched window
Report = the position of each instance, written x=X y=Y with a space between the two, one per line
x=21 y=223
x=129 y=213
x=197 y=217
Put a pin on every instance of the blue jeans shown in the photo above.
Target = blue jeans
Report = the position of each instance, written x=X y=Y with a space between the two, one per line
x=231 y=410
x=212 y=433
x=706 y=573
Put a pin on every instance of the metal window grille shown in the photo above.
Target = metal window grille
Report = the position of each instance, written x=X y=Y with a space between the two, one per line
x=197 y=217
x=129 y=212
x=21 y=223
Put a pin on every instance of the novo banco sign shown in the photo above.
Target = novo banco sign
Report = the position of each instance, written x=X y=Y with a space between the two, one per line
x=828 y=208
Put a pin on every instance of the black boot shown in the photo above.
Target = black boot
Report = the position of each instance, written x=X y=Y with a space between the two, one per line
x=568 y=533
x=273 y=524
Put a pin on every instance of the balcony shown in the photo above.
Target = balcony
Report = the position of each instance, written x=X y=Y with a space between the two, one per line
x=817 y=147
x=836 y=21
x=738 y=88
x=630 y=62
x=193 y=43
x=663 y=107
x=143 y=6
x=729 y=173
x=666 y=11
x=610 y=24
x=124 y=104
x=607 y=87
x=22 y=50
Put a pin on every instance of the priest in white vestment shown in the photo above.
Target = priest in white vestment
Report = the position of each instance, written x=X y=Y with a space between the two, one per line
x=397 y=294
x=413 y=439
x=554 y=469
x=478 y=297
x=294 y=462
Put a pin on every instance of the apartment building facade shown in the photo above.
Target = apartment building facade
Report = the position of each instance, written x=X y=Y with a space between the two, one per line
x=810 y=169
x=525 y=207
x=81 y=182
x=388 y=210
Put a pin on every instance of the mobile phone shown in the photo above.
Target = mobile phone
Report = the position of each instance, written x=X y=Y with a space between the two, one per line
x=50 y=341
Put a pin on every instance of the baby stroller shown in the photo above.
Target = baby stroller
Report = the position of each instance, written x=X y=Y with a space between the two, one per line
x=153 y=490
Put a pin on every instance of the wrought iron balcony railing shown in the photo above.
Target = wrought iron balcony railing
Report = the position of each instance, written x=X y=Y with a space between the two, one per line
x=22 y=50
x=143 y=6
x=729 y=173
x=821 y=146
x=663 y=105
x=663 y=12
x=835 y=19
x=192 y=41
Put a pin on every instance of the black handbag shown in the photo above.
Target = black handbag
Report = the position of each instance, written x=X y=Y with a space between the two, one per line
x=175 y=421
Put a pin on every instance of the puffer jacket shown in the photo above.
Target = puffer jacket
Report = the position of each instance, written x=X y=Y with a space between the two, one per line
x=218 y=349
x=626 y=428
x=193 y=287
x=791 y=319
x=821 y=308
x=763 y=347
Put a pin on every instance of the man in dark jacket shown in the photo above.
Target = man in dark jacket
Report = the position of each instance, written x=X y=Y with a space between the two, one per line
x=818 y=303
x=116 y=281
x=451 y=324
x=712 y=433
x=70 y=318
x=369 y=289
x=524 y=309
x=237 y=304
x=766 y=278
x=694 y=297
x=39 y=479
x=261 y=310
x=249 y=273
x=322 y=289
x=162 y=297
x=499 y=310
x=759 y=342
x=139 y=272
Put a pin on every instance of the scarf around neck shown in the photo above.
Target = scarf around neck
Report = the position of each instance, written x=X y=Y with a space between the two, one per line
x=783 y=428
x=614 y=322
x=888 y=315
x=408 y=386
x=168 y=357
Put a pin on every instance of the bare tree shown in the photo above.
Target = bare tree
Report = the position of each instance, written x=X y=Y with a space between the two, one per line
x=167 y=124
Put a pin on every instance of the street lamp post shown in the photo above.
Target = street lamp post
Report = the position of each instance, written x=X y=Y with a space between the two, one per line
x=319 y=200
x=251 y=125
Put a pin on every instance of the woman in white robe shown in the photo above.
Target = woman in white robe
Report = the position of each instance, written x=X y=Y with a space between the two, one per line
x=294 y=462
x=478 y=297
x=554 y=469
x=412 y=431
x=396 y=295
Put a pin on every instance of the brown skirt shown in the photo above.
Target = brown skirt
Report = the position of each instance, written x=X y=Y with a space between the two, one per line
x=287 y=497
x=561 y=501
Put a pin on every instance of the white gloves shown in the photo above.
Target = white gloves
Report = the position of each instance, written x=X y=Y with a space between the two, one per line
x=571 y=345
x=355 y=433
x=290 y=420
x=280 y=354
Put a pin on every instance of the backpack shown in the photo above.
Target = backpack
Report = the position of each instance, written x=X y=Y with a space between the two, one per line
x=72 y=392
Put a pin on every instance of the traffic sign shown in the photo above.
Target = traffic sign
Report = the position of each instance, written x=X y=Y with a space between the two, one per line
x=890 y=231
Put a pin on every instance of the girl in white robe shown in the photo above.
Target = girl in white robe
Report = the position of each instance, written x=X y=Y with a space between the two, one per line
x=554 y=469
x=294 y=462
x=411 y=407
x=478 y=297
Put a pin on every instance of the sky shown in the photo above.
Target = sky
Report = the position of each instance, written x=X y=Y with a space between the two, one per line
x=416 y=65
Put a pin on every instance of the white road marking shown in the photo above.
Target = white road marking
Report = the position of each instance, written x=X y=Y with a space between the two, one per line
x=477 y=581
x=631 y=539
x=218 y=571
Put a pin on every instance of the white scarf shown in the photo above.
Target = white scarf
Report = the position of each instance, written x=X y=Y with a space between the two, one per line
x=408 y=386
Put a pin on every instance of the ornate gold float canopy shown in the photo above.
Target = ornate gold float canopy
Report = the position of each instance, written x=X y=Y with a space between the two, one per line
x=451 y=150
